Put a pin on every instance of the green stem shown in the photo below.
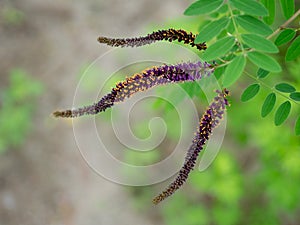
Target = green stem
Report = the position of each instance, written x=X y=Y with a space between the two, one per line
x=285 y=24
x=224 y=64
x=238 y=37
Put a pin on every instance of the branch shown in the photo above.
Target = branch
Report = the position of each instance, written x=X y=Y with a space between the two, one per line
x=285 y=24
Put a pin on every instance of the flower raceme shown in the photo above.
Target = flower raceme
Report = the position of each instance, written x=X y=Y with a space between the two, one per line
x=139 y=82
x=167 y=35
x=208 y=122
x=155 y=76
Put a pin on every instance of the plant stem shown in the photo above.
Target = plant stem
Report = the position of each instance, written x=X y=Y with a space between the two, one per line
x=285 y=24
x=236 y=29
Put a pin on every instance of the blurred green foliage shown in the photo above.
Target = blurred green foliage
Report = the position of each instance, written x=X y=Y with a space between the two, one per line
x=17 y=107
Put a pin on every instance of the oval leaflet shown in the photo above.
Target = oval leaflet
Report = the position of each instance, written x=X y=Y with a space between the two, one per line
x=202 y=7
x=285 y=36
x=295 y=96
x=234 y=70
x=259 y=43
x=219 y=48
x=261 y=73
x=284 y=87
x=282 y=113
x=264 y=61
x=268 y=104
x=250 y=92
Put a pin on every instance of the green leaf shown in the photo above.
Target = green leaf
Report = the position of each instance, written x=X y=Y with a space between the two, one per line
x=223 y=9
x=268 y=104
x=259 y=43
x=230 y=27
x=261 y=73
x=288 y=8
x=285 y=36
x=222 y=34
x=250 y=7
x=297 y=126
x=202 y=7
x=234 y=70
x=219 y=48
x=253 y=25
x=282 y=113
x=294 y=50
x=214 y=15
x=270 y=5
x=219 y=71
x=295 y=96
x=284 y=87
x=264 y=61
x=211 y=30
x=250 y=92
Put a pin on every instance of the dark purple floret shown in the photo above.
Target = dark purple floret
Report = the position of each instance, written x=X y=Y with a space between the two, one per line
x=208 y=122
x=167 y=35
x=140 y=82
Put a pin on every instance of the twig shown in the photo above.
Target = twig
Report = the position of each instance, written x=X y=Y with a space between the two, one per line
x=285 y=24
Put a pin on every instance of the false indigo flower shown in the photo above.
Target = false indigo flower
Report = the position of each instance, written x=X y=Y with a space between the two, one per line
x=141 y=82
x=167 y=35
x=208 y=122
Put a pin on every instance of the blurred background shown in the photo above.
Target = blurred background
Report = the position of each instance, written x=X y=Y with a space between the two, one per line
x=45 y=47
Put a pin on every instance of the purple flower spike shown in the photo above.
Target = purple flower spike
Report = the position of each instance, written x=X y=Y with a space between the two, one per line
x=208 y=122
x=140 y=82
x=167 y=35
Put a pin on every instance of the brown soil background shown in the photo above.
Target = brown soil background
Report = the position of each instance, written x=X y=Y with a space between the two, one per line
x=46 y=181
